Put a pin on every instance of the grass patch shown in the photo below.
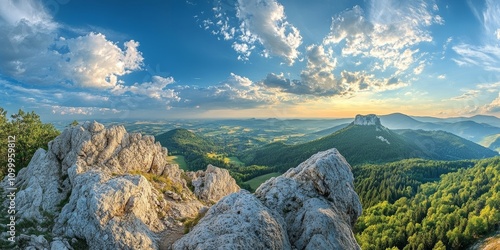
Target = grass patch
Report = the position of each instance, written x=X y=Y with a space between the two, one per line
x=161 y=183
x=255 y=182
x=179 y=160
x=190 y=223
x=233 y=160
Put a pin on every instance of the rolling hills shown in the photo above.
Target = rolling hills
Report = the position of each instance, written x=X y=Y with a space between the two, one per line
x=371 y=143
x=475 y=128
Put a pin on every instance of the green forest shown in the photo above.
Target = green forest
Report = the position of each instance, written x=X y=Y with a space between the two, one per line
x=451 y=213
x=196 y=150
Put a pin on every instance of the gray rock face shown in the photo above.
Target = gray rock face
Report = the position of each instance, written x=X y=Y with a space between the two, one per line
x=238 y=221
x=367 y=120
x=317 y=201
x=213 y=184
x=92 y=184
x=312 y=206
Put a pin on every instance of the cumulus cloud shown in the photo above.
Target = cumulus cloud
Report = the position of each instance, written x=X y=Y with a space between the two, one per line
x=388 y=33
x=32 y=51
x=255 y=24
x=318 y=78
x=235 y=92
x=266 y=21
x=156 y=89
x=93 y=61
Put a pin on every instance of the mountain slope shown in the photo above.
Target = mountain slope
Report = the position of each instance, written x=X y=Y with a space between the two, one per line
x=180 y=140
x=192 y=146
x=371 y=143
x=441 y=145
x=470 y=130
x=358 y=143
x=402 y=121
x=490 y=120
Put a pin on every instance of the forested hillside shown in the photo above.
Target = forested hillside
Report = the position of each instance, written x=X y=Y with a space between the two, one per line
x=358 y=144
x=192 y=146
x=391 y=181
x=372 y=144
x=446 y=146
x=448 y=214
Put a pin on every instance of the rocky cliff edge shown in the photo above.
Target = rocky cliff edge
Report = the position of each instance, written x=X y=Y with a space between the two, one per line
x=108 y=189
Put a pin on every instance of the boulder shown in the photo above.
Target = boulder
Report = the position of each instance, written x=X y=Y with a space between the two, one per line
x=238 y=221
x=317 y=201
x=213 y=184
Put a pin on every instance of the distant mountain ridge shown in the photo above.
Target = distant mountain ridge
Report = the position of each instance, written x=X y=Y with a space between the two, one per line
x=474 y=128
x=367 y=140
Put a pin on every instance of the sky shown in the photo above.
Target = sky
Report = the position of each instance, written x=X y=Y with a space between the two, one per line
x=154 y=59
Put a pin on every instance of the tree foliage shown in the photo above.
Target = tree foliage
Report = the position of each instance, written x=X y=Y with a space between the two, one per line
x=30 y=134
x=451 y=213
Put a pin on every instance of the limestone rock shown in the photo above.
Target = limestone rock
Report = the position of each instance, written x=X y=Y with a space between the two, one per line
x=238 y=221
x=367 y=120
x=92 y=181
x=317 y=201
x=213 y=184
x=116 y=213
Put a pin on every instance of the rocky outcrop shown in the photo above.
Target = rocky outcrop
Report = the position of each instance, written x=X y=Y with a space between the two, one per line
x=112 y=189
x=315 y=203
x=367 y=120
x=212 y=184
x=115 y=190
x=238 y=221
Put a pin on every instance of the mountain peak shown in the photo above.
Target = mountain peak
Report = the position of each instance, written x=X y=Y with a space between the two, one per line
x=367 y=120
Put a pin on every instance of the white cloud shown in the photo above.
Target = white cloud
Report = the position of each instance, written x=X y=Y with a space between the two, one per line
x=261 y=24
x=266 y=20
x=31 y=51
x=318 y=78
x=15 y=11
x=156 y=89
x=60 y=110
x=441 y=77
x=487 y=54
x=318 y=74
x=494 y=106
x=236 y=92
x=388 y=34
x=467 y=95
x=93 y=61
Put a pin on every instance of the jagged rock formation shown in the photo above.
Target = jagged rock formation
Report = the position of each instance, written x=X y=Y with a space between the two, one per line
x=112 y=189
x=238 y=221
x=367 y=120
x=315 y=203
x=212 y=184
x=115 y=190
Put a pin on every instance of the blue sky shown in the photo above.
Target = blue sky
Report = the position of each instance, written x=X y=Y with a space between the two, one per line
x=73 y=59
